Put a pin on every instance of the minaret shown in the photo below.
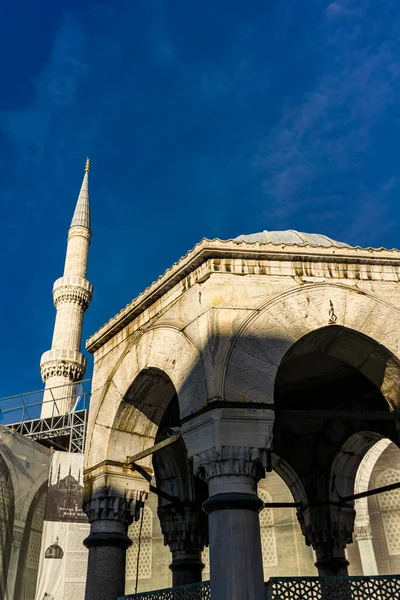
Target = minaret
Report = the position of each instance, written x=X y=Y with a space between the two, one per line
x=64 y=364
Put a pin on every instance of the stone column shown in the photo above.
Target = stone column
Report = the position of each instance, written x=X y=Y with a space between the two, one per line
x=228 y=447
x=185 y=532
x=18 y=532
x=328 y=529
x=112 y=500
x=363 y=535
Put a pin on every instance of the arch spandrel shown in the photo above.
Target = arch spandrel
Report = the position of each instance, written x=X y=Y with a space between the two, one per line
x=116 y=424
x=268 y=334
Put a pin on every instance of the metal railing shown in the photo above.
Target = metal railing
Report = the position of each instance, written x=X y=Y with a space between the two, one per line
x=378 y=587
x=67 y=431
x=194 y=591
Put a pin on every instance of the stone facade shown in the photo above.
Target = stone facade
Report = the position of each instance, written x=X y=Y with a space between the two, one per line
x=251 y=348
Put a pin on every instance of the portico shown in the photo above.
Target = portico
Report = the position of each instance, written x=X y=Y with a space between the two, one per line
x=274 y=352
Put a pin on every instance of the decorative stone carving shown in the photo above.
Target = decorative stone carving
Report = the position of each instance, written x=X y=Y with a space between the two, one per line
x=327 y=526
x=80 y=231
x=62 y=368
x=184 y=527
x=231 y=460
x=115 y=508
x=363 y=531
x=77 y=295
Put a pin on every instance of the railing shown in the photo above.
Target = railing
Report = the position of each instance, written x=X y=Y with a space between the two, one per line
x=379 y=587
x=28 y=406
x=65 y=431
x=195 y=591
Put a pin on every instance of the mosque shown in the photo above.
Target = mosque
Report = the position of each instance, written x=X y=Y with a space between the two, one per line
x=243 y=424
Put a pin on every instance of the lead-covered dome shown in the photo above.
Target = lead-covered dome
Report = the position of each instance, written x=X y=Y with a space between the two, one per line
x=290 y=236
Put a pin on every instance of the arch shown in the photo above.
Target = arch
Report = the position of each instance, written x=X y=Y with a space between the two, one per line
x=118 y=406
x=389 y=504
x=290 y=477
x=363 y=477
x=268 y=334
x=28 y=564
x=6 y=522
x=346 y=465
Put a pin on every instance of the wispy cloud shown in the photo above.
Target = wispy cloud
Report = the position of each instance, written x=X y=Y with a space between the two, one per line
x=329 y=133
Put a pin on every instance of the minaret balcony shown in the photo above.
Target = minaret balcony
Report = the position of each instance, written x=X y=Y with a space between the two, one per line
x=63 y=363
x=74 y=289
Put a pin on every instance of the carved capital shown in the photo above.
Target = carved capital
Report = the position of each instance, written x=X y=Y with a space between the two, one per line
x=184 y=528
x=230 y=460
x=115 y=508
x=18 y=534
x=363 y=531
x=328 y=529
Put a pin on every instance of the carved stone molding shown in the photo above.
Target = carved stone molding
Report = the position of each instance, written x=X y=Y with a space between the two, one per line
x=78 y=230
x=184 y=528
x=231 y=460
x=62 y=368
x=18 y=534
x=327 y=527
x=363 y=531
x=72 y=294
x=115 y=508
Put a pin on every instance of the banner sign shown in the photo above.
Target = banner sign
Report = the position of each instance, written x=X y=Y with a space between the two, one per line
x=63 y=558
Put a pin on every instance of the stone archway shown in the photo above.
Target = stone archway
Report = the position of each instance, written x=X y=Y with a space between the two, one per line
x=333 y=390
x=164 y=350
x=161 y=369
x=266 y=336
x=6 y=522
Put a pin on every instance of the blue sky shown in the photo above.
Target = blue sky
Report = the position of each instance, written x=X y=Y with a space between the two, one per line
x=202 y=118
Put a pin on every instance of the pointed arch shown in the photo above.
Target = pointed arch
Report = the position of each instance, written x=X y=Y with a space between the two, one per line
x=265 y=338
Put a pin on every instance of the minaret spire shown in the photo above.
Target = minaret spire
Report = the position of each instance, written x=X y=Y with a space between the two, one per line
x=64 y=365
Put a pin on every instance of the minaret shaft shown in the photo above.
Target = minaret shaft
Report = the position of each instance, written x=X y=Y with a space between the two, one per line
x=64 y=365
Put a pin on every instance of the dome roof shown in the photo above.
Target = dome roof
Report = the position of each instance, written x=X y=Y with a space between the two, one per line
x=291 y=236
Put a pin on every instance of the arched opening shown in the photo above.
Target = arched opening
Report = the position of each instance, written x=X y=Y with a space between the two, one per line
x=6 y=523
x=147 y=415
x=28 y=564
x=334 y=391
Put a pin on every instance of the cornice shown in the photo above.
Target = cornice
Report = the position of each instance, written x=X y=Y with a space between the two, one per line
x=222 y=252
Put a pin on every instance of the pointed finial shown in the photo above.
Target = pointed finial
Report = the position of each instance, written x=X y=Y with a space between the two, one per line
x=87 y=166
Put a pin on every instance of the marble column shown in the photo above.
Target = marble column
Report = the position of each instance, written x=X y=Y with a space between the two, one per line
x=109 y=518
x=185 y=532
x=229 y=451
x=328 y=529
x=18 y=532
x=363 y=535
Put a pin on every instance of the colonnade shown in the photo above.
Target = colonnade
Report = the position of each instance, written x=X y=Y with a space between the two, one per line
x=228 y=449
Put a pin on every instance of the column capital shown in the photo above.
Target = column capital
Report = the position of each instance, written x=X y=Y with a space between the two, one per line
x=230 y=444
x=18 y=533
x=231 y=461
x=362 y=531
x=184 y=527
x=328 y=529
x=108 y=507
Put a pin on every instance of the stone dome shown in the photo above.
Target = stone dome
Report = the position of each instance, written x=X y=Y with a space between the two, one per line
x=291 y=237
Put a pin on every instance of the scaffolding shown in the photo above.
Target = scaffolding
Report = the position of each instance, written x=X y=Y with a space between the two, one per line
x=21 y=413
